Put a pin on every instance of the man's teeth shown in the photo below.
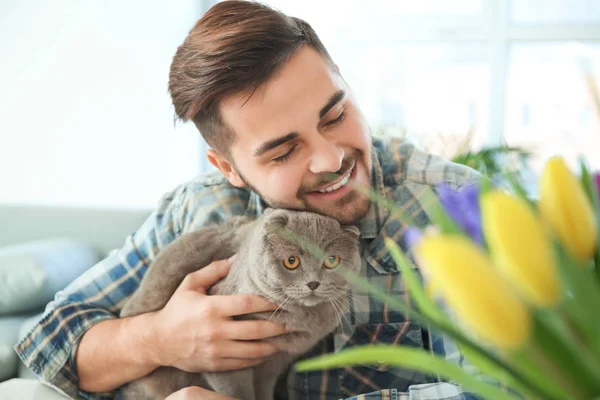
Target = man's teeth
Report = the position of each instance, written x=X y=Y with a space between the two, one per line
x=338 y=185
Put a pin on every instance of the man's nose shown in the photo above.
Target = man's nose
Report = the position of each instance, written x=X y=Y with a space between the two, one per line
x=327 y=156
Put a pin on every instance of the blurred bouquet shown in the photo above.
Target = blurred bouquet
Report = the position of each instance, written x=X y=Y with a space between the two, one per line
x=521 y=282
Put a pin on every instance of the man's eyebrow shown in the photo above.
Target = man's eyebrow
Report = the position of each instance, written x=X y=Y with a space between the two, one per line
x=333 y=100
x=271 y=144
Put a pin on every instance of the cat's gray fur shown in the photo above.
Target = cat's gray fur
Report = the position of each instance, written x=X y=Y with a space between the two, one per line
x=257 y=269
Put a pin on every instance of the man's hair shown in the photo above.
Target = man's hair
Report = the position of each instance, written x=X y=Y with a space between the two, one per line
x=234 y=48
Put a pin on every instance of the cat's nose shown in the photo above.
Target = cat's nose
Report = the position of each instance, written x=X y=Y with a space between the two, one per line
x=313 y=285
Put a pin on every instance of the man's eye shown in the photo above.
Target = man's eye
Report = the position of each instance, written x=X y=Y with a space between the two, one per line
x=284 y=157
x=339 y=119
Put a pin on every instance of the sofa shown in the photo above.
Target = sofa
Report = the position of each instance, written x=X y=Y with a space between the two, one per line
x=42 y=249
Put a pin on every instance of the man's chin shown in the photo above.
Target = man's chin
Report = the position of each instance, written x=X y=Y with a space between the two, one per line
x=353 y=208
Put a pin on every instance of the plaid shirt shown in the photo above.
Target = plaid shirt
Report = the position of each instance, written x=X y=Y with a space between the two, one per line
x=400 y=172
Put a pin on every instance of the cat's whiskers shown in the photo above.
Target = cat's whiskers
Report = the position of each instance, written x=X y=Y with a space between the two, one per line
x=277 y=292
x=335 y=310
x=339 y=309
x=288 y=298
x=345 y=309
x=280 y=291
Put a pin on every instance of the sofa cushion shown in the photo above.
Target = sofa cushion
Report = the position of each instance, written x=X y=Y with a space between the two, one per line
x=9 y=332
x=31 y=273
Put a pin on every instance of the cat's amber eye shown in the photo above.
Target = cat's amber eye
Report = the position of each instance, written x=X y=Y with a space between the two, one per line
x=332 y=261
x=291 y=262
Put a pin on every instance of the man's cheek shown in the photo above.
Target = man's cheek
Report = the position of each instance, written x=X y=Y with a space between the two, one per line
x=285 y=186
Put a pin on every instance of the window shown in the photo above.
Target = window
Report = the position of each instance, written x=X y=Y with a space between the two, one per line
x=552 y=103
x=519 y=72
x=537 y=12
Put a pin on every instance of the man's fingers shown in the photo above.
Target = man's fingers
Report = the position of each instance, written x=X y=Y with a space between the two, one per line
x=251 y=330
x=244 y=349
x=207 y=276
x=240 y=304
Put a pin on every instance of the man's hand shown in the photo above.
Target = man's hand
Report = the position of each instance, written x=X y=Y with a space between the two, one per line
x=195 y=332
x=196 y=393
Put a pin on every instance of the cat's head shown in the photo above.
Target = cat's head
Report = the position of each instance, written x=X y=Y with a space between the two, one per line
x=291 y=271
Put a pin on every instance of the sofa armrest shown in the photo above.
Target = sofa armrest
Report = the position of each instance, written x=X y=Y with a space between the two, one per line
x=27 y=389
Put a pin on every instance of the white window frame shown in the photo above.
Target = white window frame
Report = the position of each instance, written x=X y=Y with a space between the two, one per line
x=494 y=29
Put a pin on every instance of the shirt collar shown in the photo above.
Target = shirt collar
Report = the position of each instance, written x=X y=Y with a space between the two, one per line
x=371 y=224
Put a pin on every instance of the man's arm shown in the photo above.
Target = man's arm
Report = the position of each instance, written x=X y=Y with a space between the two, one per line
x=193 y=332
x=104 y=365
x=94 y=300
x=80 y=346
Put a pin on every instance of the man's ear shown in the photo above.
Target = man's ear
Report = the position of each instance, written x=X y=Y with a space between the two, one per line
x=225 y=166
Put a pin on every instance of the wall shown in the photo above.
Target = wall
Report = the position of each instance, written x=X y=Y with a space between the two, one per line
x=85 y=116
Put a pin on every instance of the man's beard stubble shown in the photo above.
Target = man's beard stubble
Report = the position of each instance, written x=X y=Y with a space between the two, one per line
x=352 y=216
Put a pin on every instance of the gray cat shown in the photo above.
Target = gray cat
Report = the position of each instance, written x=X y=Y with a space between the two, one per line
x=307 y=289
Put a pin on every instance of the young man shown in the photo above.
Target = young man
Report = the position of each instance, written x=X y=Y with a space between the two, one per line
x=286 y=132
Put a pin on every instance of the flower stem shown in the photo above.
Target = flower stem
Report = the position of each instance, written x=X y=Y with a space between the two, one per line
x=406 y=357
x=587 y=355
x=566 y=386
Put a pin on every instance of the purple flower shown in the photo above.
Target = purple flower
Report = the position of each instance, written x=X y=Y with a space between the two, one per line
x=412 y=236
x=463 y=207
x=597 y=180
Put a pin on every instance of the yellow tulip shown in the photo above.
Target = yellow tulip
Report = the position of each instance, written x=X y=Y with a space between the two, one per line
x=567 y=210
x=521 y=247
x=474 y=290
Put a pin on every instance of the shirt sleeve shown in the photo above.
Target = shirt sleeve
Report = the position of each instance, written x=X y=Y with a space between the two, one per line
x=97 y=295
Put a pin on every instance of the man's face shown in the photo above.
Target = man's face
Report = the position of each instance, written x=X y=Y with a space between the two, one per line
x=299 y=138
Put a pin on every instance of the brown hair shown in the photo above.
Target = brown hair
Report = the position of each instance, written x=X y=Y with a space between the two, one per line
x=234 y=48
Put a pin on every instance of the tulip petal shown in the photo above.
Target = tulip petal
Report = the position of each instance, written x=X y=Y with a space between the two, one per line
x=521 y=248
x=567 y=209
x=474 y=290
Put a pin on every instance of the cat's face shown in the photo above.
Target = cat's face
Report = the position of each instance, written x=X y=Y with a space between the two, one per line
x=292 y=273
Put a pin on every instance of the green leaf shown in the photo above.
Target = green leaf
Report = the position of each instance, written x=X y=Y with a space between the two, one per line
x=450 y=330
x=584 y=290
x=488 y=367
x=589 y=185
x=390 y=205
x=380 y=295
x=528 y=366
x=405 y=357
x=425 y=304
x=574 y=368
x=517 y=188
x=485 y=186
x=583 y=300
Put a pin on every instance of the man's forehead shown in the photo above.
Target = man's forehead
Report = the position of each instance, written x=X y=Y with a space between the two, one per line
x=290 y=99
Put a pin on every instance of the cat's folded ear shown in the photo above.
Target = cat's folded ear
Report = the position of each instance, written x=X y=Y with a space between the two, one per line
x=352 y=230
x=275 y=220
